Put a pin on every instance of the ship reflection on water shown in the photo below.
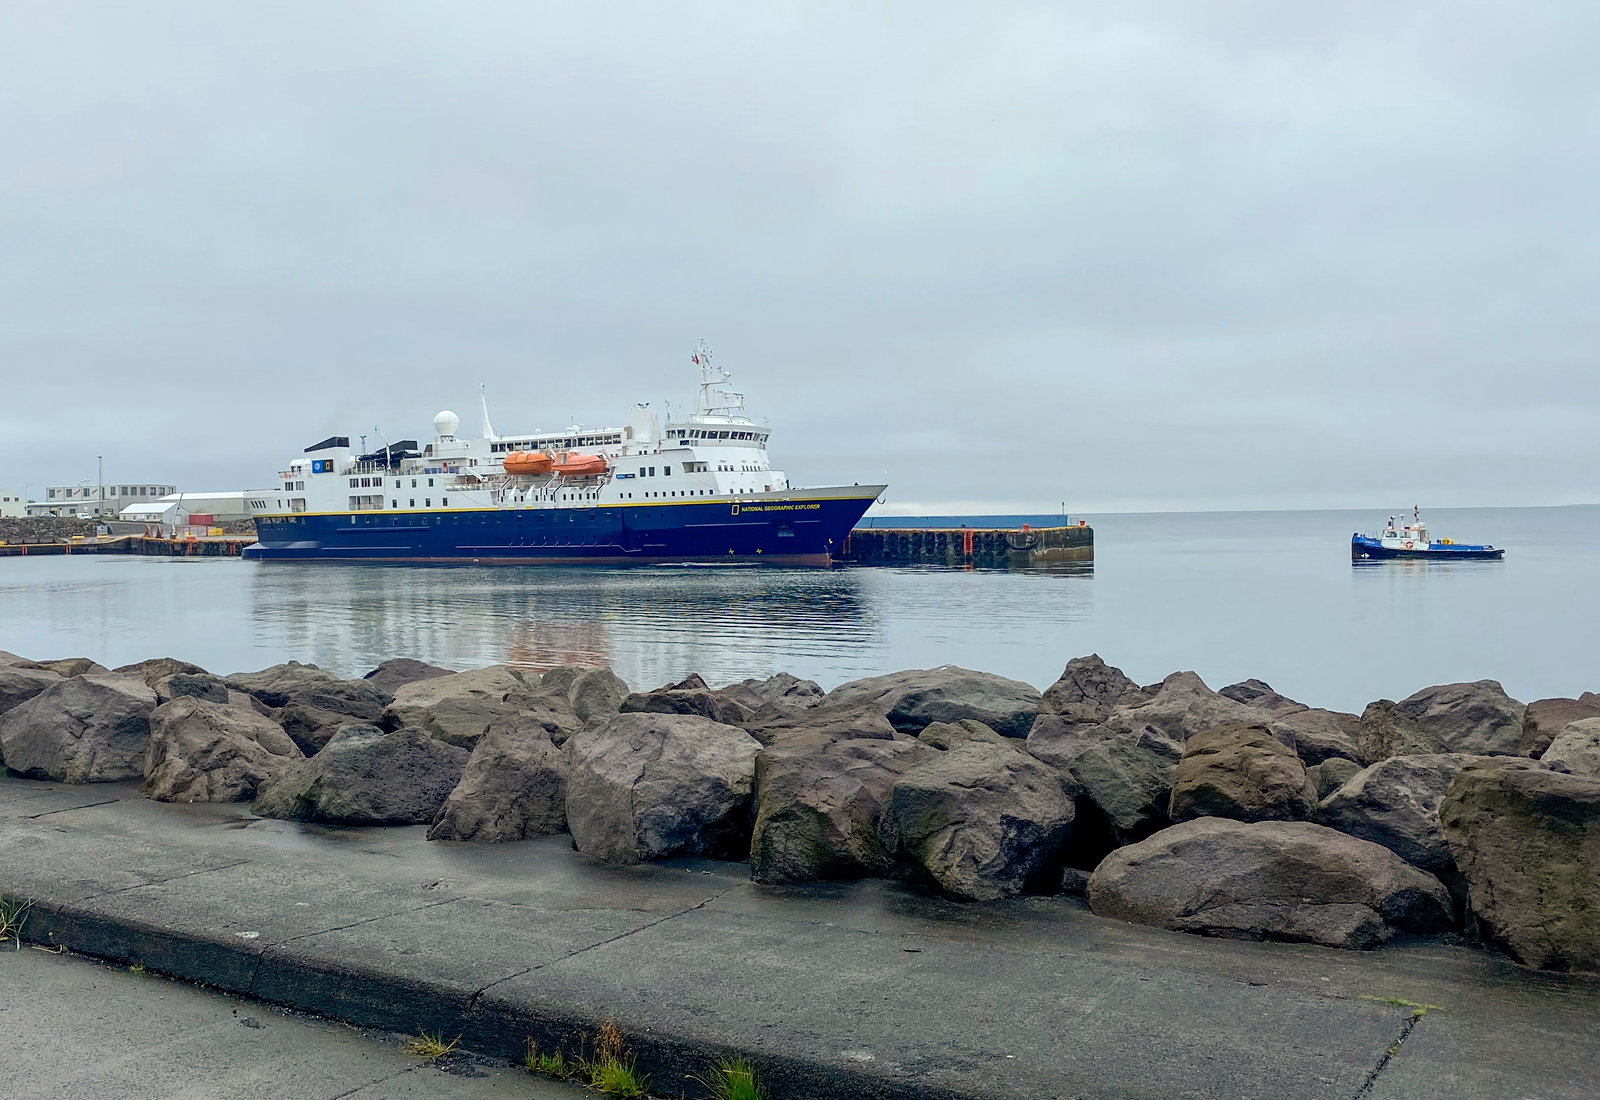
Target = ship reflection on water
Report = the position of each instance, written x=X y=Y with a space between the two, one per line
x=650 y=624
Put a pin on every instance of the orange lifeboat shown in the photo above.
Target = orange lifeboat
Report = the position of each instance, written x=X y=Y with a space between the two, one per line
x=523 y=463
x=573 y=464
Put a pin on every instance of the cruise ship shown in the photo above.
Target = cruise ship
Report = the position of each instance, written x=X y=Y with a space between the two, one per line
x=700 y=489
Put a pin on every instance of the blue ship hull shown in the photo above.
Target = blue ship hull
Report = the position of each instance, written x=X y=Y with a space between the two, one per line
x=793 y=531
x=1365 y=548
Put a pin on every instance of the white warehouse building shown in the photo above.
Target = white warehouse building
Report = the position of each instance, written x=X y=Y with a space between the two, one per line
x=94 y=500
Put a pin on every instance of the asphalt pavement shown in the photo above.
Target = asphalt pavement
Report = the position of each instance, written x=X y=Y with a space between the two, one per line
x=869 y=989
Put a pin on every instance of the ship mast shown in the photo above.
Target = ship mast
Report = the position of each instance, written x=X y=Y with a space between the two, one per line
x=710 y=400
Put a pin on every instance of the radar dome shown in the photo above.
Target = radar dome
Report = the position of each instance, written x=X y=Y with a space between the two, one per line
x=446 y=423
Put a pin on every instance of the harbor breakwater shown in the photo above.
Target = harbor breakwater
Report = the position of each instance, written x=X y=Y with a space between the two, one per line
x=1235 y=812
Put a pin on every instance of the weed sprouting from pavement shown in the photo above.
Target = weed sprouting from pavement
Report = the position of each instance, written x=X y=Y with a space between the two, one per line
x=1419 y=1009
x=615 y=1076
x=554 y=1064
x=431 y=1047
x=13 y=915
x=733 y=1078
x=612 y=1070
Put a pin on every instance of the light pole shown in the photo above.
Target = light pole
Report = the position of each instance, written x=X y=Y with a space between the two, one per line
x=100 y=476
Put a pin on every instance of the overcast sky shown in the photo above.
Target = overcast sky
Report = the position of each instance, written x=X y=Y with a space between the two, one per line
x=1126 y=255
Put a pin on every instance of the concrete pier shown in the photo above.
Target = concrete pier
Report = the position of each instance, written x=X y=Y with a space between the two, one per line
x=986 y=547
x=216 y=546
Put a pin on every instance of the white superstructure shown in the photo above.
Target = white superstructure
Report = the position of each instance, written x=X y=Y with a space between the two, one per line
x=715 y=452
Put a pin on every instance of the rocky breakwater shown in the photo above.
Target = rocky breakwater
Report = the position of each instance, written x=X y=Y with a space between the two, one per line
x=1237 y=812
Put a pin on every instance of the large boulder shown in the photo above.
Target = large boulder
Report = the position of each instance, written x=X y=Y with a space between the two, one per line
x=1178 y=708
x=596 y=695
x=158 y=668
x=546 y=709
x=1275 y=880
x=777 y=696
x=458 y=709
x=90 y=728
x=1182 y=706
x=1395 y=802
x=191 y=685
x=981 y=821
x=18 y=685
x=1478 y=718
x=1527 y=840
x=1332 y=774
x=692 y=696
x=1128 y=779
x=1317 y=734
x=67 y=667
x=646 y=786
x=275 y=686
x=1545 y=718
x=912 y=700
x=366 y=776
x=203 y=751
x=317 y=710
x=819 y=806
x=1088 y=689
x=1386 y=731
x=1241 y=772
x=514 y=787
x=947 y=735
x=827 y=722
x=1576 y=750
x=394 y=674
x=1262 y=696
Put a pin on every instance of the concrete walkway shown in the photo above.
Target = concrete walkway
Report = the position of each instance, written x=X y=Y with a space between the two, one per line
x=78 y=1029
x=861 y=990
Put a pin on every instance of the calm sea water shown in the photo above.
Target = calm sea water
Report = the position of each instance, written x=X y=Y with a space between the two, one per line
x=1230 y=595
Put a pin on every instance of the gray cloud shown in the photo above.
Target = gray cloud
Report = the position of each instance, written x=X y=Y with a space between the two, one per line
x=1122 y=255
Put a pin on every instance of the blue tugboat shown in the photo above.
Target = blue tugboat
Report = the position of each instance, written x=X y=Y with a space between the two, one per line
x=1411 y=540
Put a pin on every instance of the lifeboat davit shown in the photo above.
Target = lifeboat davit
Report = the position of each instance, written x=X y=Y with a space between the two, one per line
x=523 y=463
x=573 y=464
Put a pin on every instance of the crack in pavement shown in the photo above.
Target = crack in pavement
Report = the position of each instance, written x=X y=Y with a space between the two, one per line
x=1394 y=1048
x=161 y=881
x=68 y=809
x=473 y=1000
x=636 y=931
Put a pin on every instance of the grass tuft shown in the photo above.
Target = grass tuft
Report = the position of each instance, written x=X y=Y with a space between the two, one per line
x=1418 y=1008
x=554 y=1064
x=137 y=968
x=613 y=1069
x=733 y=1078
x=616 y=1076
x=13 y=915
x=431 y=1047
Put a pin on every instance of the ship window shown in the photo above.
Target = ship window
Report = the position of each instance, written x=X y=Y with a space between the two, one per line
x=666 y=471
x=430 y=483
x=413 y=483
x=413 y=502
x=652 y=471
